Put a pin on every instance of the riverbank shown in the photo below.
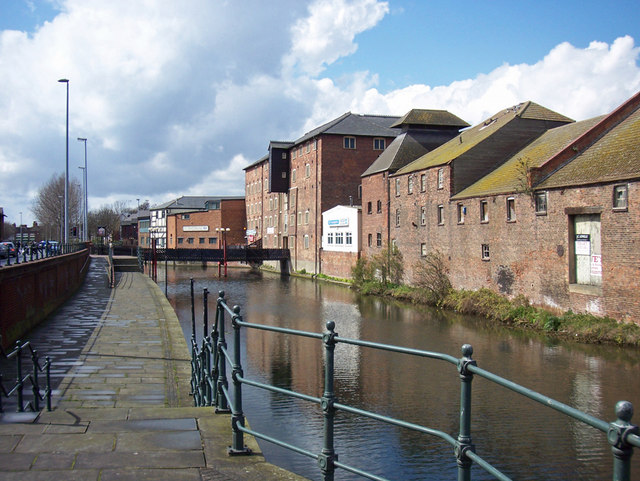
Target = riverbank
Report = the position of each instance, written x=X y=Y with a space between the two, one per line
x=517 y=313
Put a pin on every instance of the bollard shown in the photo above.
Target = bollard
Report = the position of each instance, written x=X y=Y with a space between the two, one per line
x=617 y=437
x=328 y=456
x=237 y=417
x=464 y=438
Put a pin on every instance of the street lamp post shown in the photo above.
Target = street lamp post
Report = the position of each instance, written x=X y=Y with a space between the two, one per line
x=61 y=217
x=223 y=231
x=83 y=207
x=85 y=232
x=66 y=177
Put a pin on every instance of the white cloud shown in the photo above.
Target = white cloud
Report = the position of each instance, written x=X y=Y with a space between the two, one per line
x=177 y=97
x=329 y=31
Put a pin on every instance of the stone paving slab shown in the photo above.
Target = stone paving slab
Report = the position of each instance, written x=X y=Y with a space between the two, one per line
x=123 y=411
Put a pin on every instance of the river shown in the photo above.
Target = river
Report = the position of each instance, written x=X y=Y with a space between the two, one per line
x=521 y=438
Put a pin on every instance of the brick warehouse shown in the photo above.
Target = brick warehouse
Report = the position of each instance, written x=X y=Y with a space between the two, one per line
x=287 y=191
x=555 y=219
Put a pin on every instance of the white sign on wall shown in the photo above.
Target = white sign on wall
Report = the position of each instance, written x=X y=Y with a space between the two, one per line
x=195 y=228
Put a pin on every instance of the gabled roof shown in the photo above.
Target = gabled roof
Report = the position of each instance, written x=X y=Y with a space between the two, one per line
x=512 y=175
x=430 y=118
x=355 y=124
x=262 y=159
x=613 y=156
x=404 y=149
x=192 y=202
x=468 y=139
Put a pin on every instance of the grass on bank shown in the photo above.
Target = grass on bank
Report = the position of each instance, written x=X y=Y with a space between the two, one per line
x=434 y=288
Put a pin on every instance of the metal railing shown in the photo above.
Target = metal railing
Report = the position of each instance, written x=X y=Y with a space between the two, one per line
x=23 y=378
x=34 y=253
x=210 y=387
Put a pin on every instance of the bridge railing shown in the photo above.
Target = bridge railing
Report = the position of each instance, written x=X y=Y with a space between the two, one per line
x=26 y=377
x=233 y=254
x=34 y=253
x=210 y=387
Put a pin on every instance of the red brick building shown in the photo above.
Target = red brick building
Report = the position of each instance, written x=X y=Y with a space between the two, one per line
x=549 y=211
x=288 y=190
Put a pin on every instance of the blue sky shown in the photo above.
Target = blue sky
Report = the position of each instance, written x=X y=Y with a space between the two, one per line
x=177 y=97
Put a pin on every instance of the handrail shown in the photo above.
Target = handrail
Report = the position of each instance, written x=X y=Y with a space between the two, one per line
x=31 y=377
x=210 y=388
x=34 y=253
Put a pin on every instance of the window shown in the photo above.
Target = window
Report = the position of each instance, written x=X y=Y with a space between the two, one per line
x=184 y=216
x=370 y=240
x=541 y=203
x=213 y=240
x=307 y=170
x=462 y=210
x=308 y=147
x=379 y=239
x=292 y=219
x=270 y=204
x=379 y=206
x=360 y=191
x=485 y=252
x=423 y=215
x=189 y=240
x=330 y=238
x=293 y=175
x=511 y=209
x=299 y=218
x=410 y=185
x=294 y=154
x=349 y=142
x=397 y=217
x=339 y=238
x=397 y=187
x=441 y=214
x=440 y=178
x=378 y=144
x=423 y=182
x=423 y=250
x=484 y=211
x=620 y=196
x=306 y=241
x=180 y=240
x=348 y=238
x=306 y=217
x=200 y=240
x=369 y=208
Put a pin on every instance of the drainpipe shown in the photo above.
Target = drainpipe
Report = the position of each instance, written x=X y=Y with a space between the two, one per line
x=315 y=262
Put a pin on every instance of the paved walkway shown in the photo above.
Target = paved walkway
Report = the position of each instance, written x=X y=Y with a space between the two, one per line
x=123 y=410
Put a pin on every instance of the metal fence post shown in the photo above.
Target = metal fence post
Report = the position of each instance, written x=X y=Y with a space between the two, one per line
x=464 y=438
x=205 y=363
x=617 y=437
x=48 y=376
x=35 y=388
x=19 y=376
x=221 y=406
x=237 y=416
x=328 y=455
x=193 y=311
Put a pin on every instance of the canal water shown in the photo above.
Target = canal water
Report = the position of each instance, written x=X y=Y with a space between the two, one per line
x=521 y=438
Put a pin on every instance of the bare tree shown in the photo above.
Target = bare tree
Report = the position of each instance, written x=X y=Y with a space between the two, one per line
x=48 y=206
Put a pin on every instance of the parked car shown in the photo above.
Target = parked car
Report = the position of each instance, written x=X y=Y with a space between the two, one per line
x=8 y=250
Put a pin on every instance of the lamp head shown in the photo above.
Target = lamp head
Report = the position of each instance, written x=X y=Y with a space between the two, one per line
x=64 y=80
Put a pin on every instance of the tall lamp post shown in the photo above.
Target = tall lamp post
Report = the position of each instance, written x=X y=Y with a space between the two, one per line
x=61 y=217
x=66 y=177
x=85 y=232
x=223 y=231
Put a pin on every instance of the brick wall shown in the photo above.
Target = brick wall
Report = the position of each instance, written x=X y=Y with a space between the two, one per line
x=338 y=264
x=29 y=292
x=374 y=190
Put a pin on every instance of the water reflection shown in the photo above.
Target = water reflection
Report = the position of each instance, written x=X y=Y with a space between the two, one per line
x=522 y=438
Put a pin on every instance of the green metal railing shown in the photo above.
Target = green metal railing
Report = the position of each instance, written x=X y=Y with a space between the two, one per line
x=23 y=378
x=210 y=387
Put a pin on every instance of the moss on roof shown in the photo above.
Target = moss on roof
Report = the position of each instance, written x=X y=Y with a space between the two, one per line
x=512 y=175
x=468 y=139
x=440 y=118
x=615 y=156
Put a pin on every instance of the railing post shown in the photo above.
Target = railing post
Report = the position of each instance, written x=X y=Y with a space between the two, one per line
x=19 y=377
x=237 y=417
x=205 y=353
x=35 y=388
x=617 y=436
x=193 y=312
x=328 y=455
x=48 y=374
x=221 y=406
x=464 y=438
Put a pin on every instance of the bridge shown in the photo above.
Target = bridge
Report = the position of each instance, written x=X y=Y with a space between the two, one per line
x=247 y=255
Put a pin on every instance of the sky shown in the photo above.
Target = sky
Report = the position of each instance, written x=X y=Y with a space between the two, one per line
x=176 y=98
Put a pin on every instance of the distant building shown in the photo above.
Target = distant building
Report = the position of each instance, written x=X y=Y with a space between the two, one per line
x=129 y=229
x=341 y=245
x=144 y=240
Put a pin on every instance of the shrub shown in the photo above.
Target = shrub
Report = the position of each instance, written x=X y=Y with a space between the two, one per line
x=432 y=274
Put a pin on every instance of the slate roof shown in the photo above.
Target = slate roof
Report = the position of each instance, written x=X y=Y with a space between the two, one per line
x=614 y=156
x=428 y=117
x=511 y=176
x=470 y=138
x=404 y=149
x=192 y=202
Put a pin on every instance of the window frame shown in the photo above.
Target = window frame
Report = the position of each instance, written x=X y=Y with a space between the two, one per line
x=423 y=215
x=484 y=211
x=461 y=210
x=410 y=185
x=441 y=178
x=349 y=142
x=511 y=209
x=423 y=182
x=440 y=214
x=541 y=207
x=624 y=188
x=379 y=143
x=485 y=253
